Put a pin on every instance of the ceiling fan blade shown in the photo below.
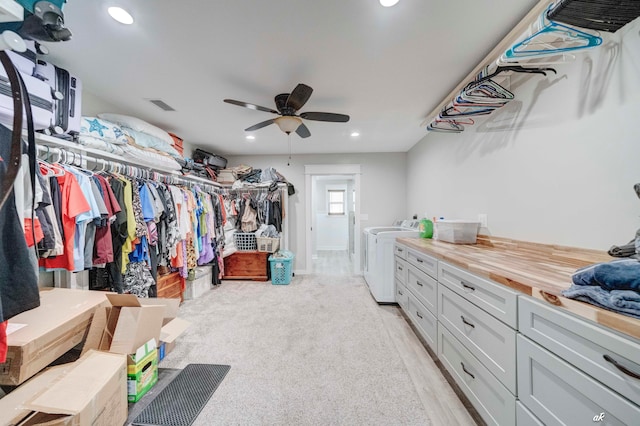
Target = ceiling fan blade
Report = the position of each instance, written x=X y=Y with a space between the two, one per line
x=325 y=116
x=260 y=125
x=303 y=131
x=250 y=106
x=299 y=96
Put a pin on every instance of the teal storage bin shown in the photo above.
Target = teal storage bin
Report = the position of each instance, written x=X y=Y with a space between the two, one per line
x=281 y=267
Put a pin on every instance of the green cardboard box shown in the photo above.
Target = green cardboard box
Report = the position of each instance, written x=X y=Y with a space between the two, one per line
x=142 y=371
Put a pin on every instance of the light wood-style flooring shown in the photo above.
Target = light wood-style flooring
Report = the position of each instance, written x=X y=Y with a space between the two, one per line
x=332 y=262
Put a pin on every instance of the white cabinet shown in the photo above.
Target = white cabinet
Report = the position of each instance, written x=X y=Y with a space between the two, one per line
x=496 y=299
x=558 y=393
x=491 y=341
x=425 y=322
x=524 y=417
x=424 y=262
x=606 y=356
x=424 y=288
x=517 y=359
x=402 y=295
x=495 y=404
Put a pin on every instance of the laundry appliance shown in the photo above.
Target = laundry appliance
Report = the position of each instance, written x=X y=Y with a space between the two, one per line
x=378 y=257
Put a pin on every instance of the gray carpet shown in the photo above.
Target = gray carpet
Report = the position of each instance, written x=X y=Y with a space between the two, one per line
x=314 y=352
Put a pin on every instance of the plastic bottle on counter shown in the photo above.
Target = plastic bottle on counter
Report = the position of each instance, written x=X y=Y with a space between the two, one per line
x=426 y=228
x=435 y=227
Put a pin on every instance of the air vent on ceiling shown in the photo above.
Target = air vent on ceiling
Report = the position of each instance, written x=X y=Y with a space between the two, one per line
x=162 y=104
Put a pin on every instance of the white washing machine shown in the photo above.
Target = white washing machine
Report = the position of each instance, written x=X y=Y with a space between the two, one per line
x=378 y=257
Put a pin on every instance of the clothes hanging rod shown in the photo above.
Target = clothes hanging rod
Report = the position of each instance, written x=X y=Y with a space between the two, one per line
x=80 y=159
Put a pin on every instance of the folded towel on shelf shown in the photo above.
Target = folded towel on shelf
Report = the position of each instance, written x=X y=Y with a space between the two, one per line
x=622 y=274
x=626 y=302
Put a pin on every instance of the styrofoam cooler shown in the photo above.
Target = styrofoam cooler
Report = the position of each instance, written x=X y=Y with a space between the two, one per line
x=200 y=285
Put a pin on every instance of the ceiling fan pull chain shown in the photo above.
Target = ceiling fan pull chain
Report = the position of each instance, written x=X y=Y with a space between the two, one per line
x=289 y=139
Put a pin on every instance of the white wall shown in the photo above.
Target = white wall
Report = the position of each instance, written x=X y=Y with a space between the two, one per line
x=93 y=105
x=383 y=196
x=332 y=231
x=557 y=165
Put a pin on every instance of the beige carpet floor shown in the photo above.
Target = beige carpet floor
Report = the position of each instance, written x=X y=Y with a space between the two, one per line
x=314 y=352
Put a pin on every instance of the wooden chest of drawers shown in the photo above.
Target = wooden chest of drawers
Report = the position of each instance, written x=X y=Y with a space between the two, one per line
x=170 y=286
x=247 y=265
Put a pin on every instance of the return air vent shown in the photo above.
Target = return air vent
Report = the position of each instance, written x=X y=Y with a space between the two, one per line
x=162 y=104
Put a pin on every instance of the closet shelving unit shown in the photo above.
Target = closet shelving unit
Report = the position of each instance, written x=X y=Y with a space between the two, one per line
x=253 y=265
x=168 y=285
x=85 y=154
x=499 y=49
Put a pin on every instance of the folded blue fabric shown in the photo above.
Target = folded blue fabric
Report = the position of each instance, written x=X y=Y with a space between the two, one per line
x=626 y=302
x=622 y=274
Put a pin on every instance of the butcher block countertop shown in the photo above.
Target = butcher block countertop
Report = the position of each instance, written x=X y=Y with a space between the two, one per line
x=538 y=270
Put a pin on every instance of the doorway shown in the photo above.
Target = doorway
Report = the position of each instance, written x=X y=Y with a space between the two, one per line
x=333 y=222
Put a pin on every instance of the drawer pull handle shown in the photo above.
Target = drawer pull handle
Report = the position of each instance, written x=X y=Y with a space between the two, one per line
x=419 y=316
x=621 y=367
x=465 y=285
x=399 y=268
x=464 y=320
x=420 y=260
x=400 y=250
x=466 y=371
x=419 y=283
x=400 y=293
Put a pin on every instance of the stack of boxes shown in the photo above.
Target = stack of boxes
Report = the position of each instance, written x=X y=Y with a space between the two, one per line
x=125 y=339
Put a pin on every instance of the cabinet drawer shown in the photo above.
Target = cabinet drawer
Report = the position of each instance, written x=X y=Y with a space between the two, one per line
x=424 y=288
x=426 y=323
x=400 y=251
x=400 y=269
x=498 y=300
x=402 y=296
x=558 y=393
x=585 y=345
x=426 y=263
x=494 y=402
x=492 y=342
x=524 y=417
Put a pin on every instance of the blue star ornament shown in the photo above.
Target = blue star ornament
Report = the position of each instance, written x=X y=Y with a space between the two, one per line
x=95 y=126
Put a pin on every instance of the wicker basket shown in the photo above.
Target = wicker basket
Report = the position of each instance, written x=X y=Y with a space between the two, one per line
x=266 y=244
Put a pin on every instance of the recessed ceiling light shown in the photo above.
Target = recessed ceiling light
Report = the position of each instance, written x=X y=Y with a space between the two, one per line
x=388 y=3
x=250 y=137
x=120 y=15
x=355 y=134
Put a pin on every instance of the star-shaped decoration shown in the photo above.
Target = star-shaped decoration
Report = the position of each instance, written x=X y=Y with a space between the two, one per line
x=95 y=126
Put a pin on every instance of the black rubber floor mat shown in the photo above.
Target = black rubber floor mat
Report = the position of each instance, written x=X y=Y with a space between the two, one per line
x=181 y=401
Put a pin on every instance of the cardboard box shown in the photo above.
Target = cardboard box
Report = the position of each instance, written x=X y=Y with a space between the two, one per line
x=142 y=371
x=48 y=331
x=130 y=321
x=90 y=391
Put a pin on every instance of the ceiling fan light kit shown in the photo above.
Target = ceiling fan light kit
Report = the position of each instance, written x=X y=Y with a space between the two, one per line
x=287 y=105
x=288 y=124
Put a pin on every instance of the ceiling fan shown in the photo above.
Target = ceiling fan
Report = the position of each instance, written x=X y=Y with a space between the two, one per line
x=287 y=105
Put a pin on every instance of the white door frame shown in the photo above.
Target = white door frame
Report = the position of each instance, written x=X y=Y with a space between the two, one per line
x=350 y=170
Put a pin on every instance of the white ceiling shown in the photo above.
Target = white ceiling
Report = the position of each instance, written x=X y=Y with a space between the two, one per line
x=385 y=67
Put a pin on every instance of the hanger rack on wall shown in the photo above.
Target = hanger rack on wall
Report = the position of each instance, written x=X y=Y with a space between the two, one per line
x=455 y=110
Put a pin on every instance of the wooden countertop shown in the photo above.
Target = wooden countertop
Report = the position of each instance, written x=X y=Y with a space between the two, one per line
x=538 y=270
